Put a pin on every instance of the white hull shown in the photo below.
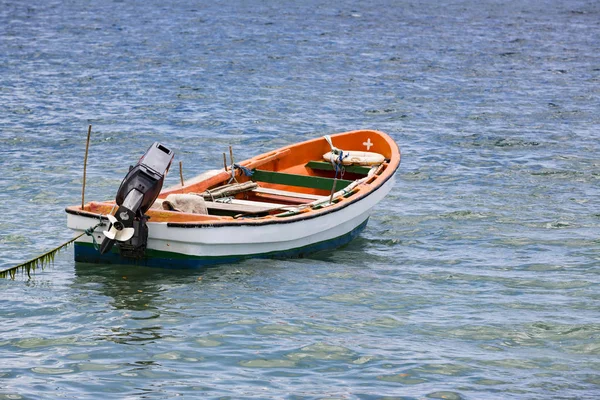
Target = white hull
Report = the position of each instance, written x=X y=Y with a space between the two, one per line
x=248 y=240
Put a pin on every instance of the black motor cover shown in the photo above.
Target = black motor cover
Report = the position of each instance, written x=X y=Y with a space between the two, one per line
x=147 y=176
x=138 y=191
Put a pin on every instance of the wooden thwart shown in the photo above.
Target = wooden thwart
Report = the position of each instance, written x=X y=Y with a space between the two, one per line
x=287 y=193
x=234 y=208
x=325 y=166
x=243 y=206
x=312 y=182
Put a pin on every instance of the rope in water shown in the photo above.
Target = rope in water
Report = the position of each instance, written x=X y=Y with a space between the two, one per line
x=47 y=257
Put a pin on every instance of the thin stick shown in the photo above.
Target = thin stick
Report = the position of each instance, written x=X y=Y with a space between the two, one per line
x=225 y=161
x=87 y=146
x=334 y=183
x=181 y=172
x=231 y=155
x=333 y=189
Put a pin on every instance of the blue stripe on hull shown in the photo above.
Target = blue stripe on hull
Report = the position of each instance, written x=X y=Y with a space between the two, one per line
x=85 y=252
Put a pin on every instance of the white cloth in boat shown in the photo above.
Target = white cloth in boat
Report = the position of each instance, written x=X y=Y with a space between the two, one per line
x=187 y=203
x=195 y=202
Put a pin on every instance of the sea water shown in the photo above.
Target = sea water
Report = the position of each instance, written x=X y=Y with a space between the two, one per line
x=476 y=278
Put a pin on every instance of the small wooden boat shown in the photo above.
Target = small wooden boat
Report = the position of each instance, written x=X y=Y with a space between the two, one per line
x=289 y=202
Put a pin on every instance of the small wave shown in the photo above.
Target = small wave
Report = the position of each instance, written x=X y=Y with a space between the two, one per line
x=323 y=351
x=264 y=363
x=464 y=215
x=559 y=332
x=504 y=142
x=384 y=111
x=14 y=239
x=507 y=142
x=557 y=225
x=560 y=173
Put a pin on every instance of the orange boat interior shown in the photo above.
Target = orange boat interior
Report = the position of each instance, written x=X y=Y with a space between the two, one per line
x=290 y=182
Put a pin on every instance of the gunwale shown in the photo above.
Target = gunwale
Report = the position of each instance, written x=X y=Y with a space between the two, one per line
x=281 y=160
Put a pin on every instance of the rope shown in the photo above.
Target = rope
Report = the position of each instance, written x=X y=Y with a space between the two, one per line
x=47 y=257
x=245 y=170
x=340 y=160
x=338 y=166
x=90 y=232
x=336 y=163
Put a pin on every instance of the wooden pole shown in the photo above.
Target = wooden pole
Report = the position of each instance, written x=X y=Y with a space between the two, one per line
x=181 y=172
x=231 y=155
x=333 y=189
x=225 y=161
x=87 y=146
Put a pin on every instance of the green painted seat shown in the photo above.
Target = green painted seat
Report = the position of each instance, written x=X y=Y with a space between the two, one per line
x=312 y=182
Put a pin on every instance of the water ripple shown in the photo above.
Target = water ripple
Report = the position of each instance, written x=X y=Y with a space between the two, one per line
x=475 y=278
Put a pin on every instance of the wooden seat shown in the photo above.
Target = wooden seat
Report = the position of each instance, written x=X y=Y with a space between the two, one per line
x=235 y=206
x=307 y=181
x=229 y=208
x=326 y=166
x=287 y=193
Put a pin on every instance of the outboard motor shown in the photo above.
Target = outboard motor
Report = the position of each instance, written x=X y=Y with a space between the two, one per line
x=138 y=191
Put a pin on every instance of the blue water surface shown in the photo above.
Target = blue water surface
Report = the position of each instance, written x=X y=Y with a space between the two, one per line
x=476 y=278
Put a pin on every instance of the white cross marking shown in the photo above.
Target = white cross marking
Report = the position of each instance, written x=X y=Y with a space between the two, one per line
x=368 y=144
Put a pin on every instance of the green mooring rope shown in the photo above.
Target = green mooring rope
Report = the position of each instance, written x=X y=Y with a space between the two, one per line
x=90 y=232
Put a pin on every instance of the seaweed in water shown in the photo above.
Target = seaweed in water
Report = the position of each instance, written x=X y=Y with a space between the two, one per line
x=39 y=261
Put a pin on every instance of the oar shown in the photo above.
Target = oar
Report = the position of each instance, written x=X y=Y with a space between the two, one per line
x=41 y=261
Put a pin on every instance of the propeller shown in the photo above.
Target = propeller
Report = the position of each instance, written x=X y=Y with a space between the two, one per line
x=116 y=233
x=117 y=230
